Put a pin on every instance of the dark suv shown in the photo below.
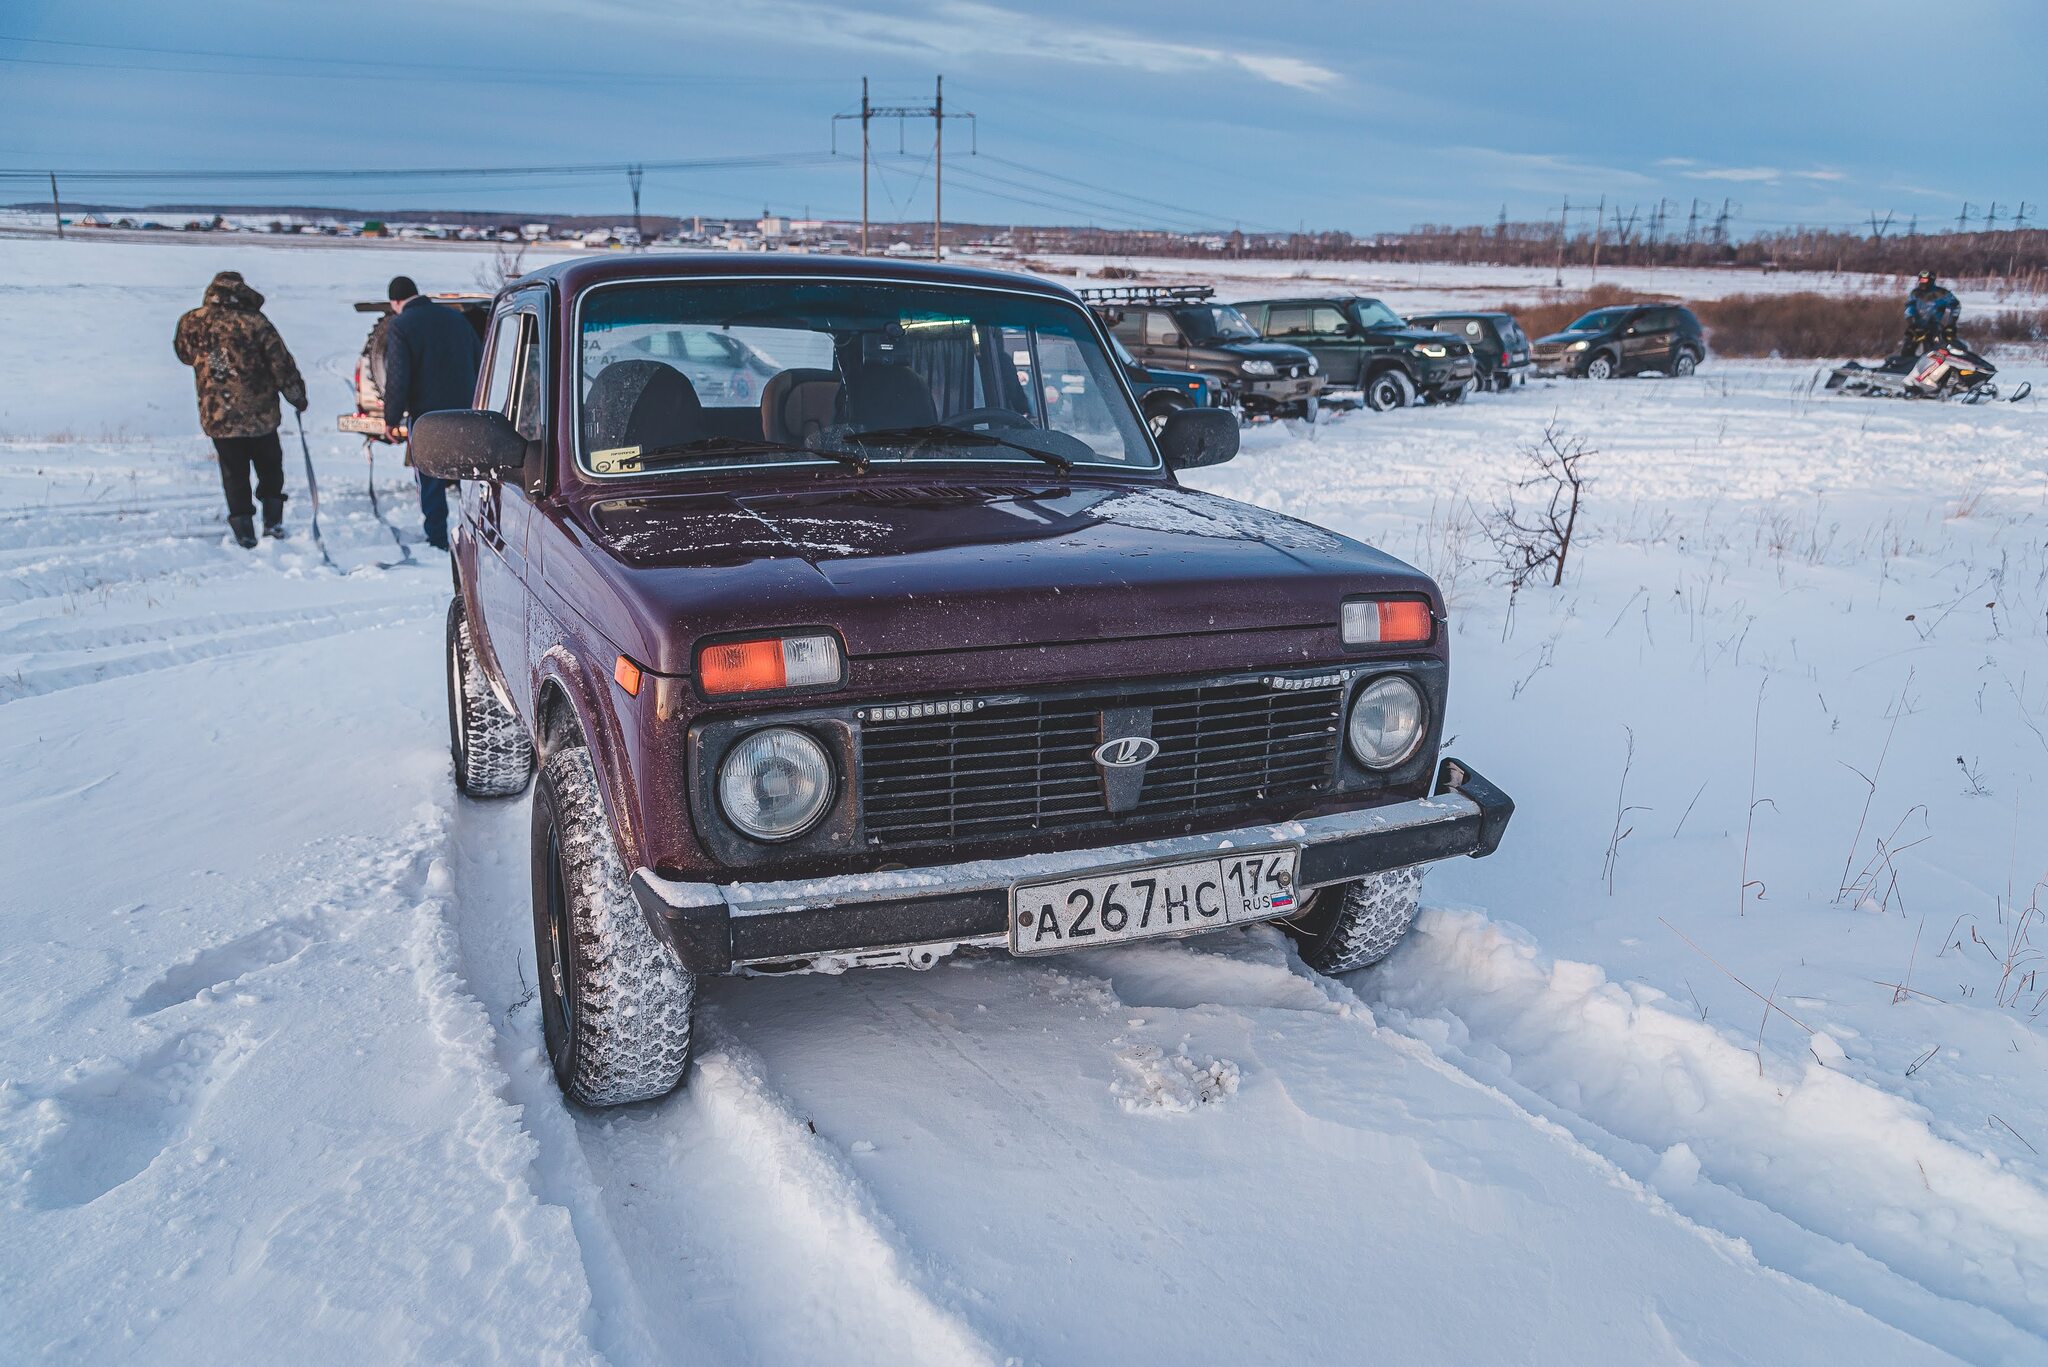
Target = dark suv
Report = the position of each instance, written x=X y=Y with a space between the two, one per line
x=1500 y=349
x=1180 y=327
x=1362 y=342
x=926 y=650
x=1625 y=339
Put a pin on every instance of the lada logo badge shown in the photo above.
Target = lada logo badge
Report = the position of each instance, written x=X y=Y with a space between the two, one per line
x=1126 y=752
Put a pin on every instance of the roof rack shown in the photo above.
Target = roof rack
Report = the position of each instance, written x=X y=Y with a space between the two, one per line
x=1148 y=294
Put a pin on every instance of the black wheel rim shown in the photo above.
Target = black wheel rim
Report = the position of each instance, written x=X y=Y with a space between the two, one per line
x=558 y=1004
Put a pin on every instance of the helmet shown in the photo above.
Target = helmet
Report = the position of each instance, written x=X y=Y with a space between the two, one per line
x=1926 y=277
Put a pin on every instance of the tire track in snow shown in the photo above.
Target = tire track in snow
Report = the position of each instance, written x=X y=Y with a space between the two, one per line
x=1834 y=1180
x=714 y=1227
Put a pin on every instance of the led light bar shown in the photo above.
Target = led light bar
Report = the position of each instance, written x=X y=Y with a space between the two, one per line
x=907 y=711
x=1286 y=685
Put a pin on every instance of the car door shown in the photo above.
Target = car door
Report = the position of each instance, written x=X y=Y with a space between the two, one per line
x=1166 y=346
x=505 y=505
x=1646 y=340
x=1323 y=331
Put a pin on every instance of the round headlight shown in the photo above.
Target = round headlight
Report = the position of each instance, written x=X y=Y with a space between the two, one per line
x=775 y=783
x=1387 y=722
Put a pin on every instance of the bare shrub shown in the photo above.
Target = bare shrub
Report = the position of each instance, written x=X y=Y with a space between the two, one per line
x=507 y=263
x=1538 y=536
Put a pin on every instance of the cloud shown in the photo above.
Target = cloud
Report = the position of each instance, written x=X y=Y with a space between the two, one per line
x=1543 y=172
x=961 y=29
x=1763 y=175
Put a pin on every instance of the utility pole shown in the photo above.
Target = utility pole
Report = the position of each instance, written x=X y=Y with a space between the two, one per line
x=1721 y=224
x=2019 y=220
x=1599 y=222
x=1963 y=218
x=56 y=206
x=1692 y=223
x=633 y=179
x=1563 y=216
x=1991 y=218
x=936 y=112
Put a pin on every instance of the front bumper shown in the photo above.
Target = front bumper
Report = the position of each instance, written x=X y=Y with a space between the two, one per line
x=1449 y=373
x=914 y=916
x=1274 y=393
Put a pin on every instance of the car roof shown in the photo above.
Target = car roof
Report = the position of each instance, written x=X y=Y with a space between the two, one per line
x=579 y=273
x=1460 y=313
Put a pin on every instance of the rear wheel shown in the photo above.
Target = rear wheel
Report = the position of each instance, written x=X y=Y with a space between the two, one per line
x=1457 y=393
x=1355 y=925
x=1388 y=389
x=1684 y=363
x=1504 y=381
x=615 y=1001
x=1600 y=366
x=493 y=757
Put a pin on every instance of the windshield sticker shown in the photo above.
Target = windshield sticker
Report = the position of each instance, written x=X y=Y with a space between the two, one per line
x=616 y=460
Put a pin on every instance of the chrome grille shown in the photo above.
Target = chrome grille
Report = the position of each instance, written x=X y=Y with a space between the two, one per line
x=1012 y=767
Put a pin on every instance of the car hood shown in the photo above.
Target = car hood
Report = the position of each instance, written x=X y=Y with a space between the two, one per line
x=1412 y=335
x=1280 y=353
x=910 y=568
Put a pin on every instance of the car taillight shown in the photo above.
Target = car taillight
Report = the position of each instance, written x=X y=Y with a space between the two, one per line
x=770 y=663
x=1386 y=621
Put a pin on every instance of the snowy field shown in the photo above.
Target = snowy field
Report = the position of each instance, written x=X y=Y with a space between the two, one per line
x=271 y=1084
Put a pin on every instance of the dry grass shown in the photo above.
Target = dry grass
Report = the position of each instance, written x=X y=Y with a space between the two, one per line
x=1804 y=325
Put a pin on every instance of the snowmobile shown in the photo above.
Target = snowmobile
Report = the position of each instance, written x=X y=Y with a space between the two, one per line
x=1950 y=371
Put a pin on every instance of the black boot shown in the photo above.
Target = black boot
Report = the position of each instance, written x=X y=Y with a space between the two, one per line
x=273 y=517
x=245 y=532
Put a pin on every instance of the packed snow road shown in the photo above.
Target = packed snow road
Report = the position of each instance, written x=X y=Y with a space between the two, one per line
x=272 y=1079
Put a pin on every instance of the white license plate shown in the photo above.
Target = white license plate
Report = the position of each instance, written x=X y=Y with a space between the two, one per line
x=1154 y=899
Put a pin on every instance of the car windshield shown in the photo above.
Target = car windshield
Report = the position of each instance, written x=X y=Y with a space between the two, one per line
x=1215 y=323
x=1371 y=313
x=683 y=375
x=1599 y=320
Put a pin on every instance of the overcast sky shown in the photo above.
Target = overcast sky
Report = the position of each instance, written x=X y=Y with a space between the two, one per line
x=1266 y=113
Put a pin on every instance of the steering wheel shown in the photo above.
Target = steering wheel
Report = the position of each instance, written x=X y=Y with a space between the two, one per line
x=990 y=417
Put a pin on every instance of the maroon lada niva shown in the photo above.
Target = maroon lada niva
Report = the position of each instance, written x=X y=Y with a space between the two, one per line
x=854 y=617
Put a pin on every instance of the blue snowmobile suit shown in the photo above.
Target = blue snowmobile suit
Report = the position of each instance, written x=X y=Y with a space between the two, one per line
x=1932 y=313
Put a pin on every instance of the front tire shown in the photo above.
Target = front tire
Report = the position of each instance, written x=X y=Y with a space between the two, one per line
x=1387 y=390
x=1159 y=408
x=1600 y=366
x=615 y=1001
x=1355 y=925
x=490 y=749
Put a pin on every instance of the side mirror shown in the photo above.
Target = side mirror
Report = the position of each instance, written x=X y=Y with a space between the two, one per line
x=1194 y=437
x=466 y=443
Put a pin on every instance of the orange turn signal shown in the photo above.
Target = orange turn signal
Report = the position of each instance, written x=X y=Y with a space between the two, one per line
x=741 y=667
x=626 y=675
x=1387 y=621
x=808 y=661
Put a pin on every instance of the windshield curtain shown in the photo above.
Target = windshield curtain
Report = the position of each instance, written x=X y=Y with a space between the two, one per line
x=686 y=375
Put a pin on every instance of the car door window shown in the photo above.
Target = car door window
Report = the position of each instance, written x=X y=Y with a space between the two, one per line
x=1289 y=321
x=527 y=388
x=1327 y=321
x=1160 y=330
x=504 y=349
x=1129 y=328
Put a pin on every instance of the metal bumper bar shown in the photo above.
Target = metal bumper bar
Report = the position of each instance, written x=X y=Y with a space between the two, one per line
x=715 y=927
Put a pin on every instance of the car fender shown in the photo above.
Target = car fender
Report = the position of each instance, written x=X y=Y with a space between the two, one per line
x=1385 y=361
x=462 y=562
x=566 y=680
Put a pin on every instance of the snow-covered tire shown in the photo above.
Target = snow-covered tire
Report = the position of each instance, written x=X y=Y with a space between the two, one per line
x=1684 y=363
x=493 y=756
x=615 y=1001
x=1389 y=389
x=1357 y=924
x=1601 y=366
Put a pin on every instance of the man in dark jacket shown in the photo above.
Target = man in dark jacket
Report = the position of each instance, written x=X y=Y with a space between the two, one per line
x=431 y=356
x=1932 y=313
x=240 y=366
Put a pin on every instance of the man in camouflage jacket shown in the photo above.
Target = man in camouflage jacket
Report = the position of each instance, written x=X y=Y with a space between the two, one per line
x=240 y=366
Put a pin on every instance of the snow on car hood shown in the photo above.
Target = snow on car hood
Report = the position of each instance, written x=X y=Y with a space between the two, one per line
x=904 y=567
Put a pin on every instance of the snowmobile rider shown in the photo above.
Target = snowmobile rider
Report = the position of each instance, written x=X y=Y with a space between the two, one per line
x=1932 y=313
x=431 y=358
x=240 y=366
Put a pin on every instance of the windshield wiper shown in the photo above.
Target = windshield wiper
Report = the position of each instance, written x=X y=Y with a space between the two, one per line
x=959 y=436
x=682 y=453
